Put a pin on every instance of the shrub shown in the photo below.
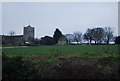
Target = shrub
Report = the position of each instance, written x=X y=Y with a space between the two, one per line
x=17 y=68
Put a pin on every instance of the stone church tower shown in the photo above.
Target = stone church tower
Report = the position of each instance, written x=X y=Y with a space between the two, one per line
x=28 y=33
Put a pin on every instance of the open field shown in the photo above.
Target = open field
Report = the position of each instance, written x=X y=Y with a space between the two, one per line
x=65 y=62
x=65 y=50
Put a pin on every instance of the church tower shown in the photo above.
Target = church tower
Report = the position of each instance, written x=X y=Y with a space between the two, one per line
x=28 y=33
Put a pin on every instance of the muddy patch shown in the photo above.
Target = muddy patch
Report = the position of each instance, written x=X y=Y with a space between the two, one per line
x=77 y=69
x=74 y=68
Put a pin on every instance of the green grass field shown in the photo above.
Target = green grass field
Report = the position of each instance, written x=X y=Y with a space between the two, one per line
x=53 y=60
x=64 y=50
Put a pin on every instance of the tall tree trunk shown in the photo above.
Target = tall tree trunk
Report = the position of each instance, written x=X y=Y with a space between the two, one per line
x=95 y=41
x=90 y=41
x=108 y=41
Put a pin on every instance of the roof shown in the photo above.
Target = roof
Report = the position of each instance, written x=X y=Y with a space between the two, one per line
x=28 y=26
x=12 y=36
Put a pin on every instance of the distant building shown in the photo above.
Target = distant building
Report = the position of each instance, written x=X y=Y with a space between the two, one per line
x=16 y=40
x=62 y=41
x=28 y=36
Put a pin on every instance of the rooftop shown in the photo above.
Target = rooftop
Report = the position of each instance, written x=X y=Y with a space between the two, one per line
x=28 y=26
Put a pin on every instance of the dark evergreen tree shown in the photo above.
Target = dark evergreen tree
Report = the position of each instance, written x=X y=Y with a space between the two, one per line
x=57 y=35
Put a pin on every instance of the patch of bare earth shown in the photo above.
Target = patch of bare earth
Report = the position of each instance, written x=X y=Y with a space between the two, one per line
x=77 y=69
x=71 y=68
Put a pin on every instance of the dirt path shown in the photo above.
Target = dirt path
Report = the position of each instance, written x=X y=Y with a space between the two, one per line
x=14 y=47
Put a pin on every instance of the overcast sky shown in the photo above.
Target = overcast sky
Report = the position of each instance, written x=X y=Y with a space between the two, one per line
x=66 y=16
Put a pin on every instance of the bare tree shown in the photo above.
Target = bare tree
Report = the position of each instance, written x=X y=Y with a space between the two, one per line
x=12 y=33
x=70 y=38
x=78 y=36
x=98 y=34
x=108 y=35
x=88 y=35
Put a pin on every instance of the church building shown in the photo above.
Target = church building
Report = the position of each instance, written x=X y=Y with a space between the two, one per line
x=27 y=37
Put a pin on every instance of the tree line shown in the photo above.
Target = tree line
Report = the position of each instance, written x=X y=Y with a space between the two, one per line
x=96 y=35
